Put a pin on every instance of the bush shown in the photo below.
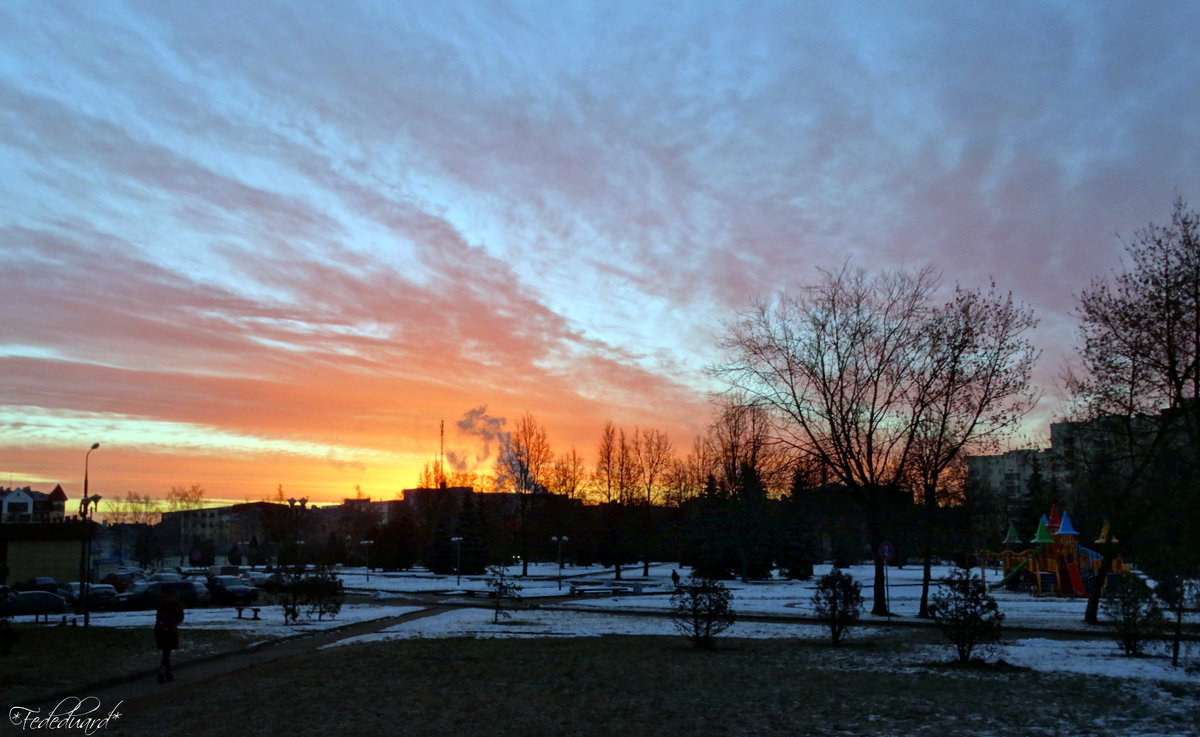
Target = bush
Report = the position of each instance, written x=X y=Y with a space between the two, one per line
x=318 y=592
x=503 y=587
x=967 y=614
x=702 y=609
x=1131 y=609
x=838 y=601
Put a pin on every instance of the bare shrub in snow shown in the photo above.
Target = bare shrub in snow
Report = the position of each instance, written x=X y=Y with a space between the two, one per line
x=838 y=602
x=701 y=609
x=967 y=614
x=1131 y=609
x=502 y=587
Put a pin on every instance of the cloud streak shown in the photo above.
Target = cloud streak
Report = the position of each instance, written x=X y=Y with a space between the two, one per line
x=344 y=223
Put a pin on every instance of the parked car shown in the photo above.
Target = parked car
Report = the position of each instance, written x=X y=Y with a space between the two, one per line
x=278 y=581
x=203 y=595
x=231 y=590
x=224 y=571
x=166 y=576
x=257 y=579
x=32 y=602
x=100 y=595
x=39 y=583
x=148 y=594
x=123 y=579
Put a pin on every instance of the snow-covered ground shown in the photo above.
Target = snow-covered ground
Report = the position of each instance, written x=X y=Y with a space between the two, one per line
x=270 y=623
x=1090 y=650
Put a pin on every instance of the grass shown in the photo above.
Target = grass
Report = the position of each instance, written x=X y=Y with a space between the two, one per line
x=46 y=658
x=651 y=686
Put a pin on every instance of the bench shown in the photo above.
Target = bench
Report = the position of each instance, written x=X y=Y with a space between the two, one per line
x=253 y=609
x=593 y=590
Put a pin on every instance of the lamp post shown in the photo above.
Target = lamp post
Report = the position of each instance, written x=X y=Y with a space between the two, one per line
x=457 y=560
x=367 y=547
x=560 y=539
x=85 y=563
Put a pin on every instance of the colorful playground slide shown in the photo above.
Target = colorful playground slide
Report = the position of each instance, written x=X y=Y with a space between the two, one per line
x=1076 y=582
x=1014 y=572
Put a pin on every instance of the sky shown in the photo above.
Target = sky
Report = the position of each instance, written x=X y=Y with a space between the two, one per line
x=248 y=245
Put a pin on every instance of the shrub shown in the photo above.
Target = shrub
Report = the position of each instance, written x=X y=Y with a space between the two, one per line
x=1131 y=609
x=317 y=592
x=838 y=601
x=967 y=614
x=702 y=609
x=503 y=587
x=322 y=593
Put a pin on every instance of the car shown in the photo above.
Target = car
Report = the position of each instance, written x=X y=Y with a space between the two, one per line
x=100 y=595
x=257 y=579
x=149 y=594
x=32 y=602
x=224 y=571
x=203 y=595
x=166 y=576
x=231 y=590
x=123 y=579
x=39 y=583
x=278 y=581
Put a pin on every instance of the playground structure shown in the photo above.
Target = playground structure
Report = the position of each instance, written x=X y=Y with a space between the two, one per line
x=1056 y=564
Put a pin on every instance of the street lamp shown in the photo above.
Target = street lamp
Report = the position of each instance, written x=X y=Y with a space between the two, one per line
x=457 y=560
x=85 y=562
x=560 y=539
x=367 y=547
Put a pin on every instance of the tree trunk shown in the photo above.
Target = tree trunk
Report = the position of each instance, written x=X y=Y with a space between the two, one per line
x=1092 y=614
x=880 y=606
x=930 y=507
x=926 y=575
x=1179 y=597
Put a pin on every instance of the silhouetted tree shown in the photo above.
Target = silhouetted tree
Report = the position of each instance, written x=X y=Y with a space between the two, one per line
x=523 y=466
x=973 y=386
x=836 y=365
x=1138 y=387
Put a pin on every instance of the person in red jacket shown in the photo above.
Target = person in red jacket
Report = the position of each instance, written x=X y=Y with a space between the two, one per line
x=166 y=633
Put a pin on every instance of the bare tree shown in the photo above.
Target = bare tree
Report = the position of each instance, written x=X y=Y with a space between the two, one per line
x=835 y=365
x=1138 y=388
x=523 y=464
x=568 y=473
x=652 y=455
x=974 y=385
x=653 y=458
x=181 y=499
x=430 y=476
x=525 y=456
x=605 y=475
x=626 y=466
x=741 y=437
x=685 y=476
